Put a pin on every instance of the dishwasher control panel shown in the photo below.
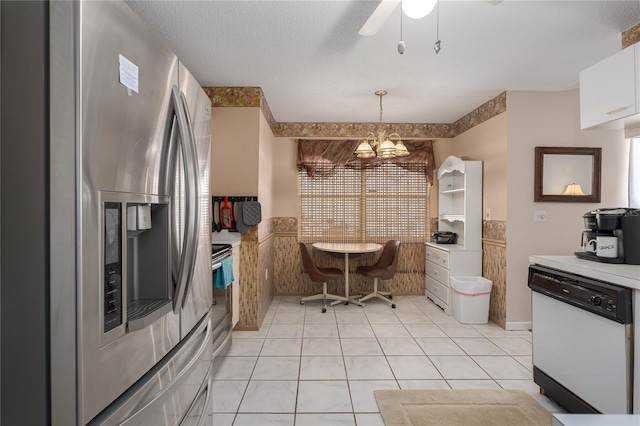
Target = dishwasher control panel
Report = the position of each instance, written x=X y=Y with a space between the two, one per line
x=605 y=299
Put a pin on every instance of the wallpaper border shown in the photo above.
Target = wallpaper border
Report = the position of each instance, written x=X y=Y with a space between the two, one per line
x=254 y=97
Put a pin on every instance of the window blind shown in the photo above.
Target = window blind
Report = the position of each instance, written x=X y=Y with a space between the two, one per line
x=634 y=173
x=363 y=204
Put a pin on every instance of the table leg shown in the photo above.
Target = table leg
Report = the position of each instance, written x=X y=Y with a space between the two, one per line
x=346 y=281
x=346 y=275
x=352 y=299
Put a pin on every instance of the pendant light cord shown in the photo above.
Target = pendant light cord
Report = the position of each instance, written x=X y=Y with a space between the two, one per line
x=400 y=28
x=436 y=46
x=438 y=22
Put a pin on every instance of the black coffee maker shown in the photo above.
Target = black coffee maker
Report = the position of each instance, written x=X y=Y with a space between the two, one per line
x=631 y=236
x=622 y=223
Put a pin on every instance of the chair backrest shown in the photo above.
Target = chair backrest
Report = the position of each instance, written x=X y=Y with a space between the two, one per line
x=389 y=259
x=307 y=262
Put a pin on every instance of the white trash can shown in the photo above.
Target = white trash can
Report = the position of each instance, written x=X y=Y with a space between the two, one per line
x=471 y=299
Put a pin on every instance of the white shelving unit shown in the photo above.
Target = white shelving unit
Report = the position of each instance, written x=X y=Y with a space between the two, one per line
x=459 y=211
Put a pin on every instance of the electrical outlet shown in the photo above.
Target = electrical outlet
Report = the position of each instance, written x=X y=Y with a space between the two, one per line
x=487 y=214
x=540 y=216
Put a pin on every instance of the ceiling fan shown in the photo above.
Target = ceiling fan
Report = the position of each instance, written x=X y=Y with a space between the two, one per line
x=413 y=8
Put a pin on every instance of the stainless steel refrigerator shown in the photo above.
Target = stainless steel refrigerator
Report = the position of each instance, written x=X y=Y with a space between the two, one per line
x=125 y=334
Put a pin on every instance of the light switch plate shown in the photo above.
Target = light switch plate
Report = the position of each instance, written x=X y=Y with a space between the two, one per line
x=539 y=215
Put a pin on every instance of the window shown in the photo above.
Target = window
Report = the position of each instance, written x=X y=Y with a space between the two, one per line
x=634 y=173
x=364 y=204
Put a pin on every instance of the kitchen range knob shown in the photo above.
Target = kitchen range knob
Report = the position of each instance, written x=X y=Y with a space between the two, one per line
x=597 y=301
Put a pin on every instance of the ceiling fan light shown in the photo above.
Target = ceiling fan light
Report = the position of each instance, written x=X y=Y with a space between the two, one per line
x=401 y=150
x=417 y=9
x=364 y=150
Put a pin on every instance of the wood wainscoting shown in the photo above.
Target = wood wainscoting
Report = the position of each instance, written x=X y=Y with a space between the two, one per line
x=290 y=279
x=494 y=268
x=271 y=266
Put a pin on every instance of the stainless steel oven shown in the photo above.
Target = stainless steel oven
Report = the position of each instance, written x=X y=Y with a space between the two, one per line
x=222 y=300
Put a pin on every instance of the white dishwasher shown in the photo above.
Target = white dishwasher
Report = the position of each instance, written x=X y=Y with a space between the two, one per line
x=582 y=341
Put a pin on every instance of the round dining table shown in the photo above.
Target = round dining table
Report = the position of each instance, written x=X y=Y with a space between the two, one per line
x=347 y=249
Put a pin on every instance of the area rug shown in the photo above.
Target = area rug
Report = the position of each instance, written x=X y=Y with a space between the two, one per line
x=460 y=408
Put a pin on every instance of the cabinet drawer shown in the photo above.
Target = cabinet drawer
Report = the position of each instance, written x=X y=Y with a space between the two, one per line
x=437 y=289
x=438 y=257
x=438 y=273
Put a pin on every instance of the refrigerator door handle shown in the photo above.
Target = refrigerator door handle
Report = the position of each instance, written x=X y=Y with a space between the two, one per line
x=193 y=202
x=190 y=239
x=171 y=389
x=170 y=184
x=205 y=390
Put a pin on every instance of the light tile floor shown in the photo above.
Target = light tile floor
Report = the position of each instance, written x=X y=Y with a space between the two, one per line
x=304 y=367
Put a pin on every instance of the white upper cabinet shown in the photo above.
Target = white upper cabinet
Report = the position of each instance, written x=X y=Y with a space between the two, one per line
x=610 y=91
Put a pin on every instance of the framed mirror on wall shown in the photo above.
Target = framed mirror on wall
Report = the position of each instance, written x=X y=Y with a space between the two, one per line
x=567 y=174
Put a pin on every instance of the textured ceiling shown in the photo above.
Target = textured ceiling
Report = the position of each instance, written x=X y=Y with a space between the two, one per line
x=313 y=66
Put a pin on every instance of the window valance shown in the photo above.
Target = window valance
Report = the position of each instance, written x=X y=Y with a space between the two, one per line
x=319 y=157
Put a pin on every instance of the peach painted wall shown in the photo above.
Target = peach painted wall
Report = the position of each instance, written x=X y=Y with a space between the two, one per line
x=234 y=157
x=285 y=178
x=486 y=142
x=504 y=143
x=550 y=119
x=266 y=148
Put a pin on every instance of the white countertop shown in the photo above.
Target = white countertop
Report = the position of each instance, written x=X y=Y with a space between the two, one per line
x=624 y=275
x=448 y=247
x=225 y=237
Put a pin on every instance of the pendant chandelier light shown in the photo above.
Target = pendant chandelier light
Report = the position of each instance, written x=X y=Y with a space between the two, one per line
x=381 y=146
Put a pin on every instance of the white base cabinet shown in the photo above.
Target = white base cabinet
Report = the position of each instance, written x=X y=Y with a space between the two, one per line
x=444 y=261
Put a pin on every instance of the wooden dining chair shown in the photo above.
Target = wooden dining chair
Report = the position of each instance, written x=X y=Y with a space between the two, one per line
x=384 y=269
x=320 y=275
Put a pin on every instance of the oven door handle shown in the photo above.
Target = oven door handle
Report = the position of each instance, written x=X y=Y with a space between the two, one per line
x=216 y=266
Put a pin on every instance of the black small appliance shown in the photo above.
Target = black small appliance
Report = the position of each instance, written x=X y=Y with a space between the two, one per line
x=445 y=237
x=623 y=223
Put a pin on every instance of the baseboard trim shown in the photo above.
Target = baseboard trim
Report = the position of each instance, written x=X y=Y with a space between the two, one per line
x=518 y=325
